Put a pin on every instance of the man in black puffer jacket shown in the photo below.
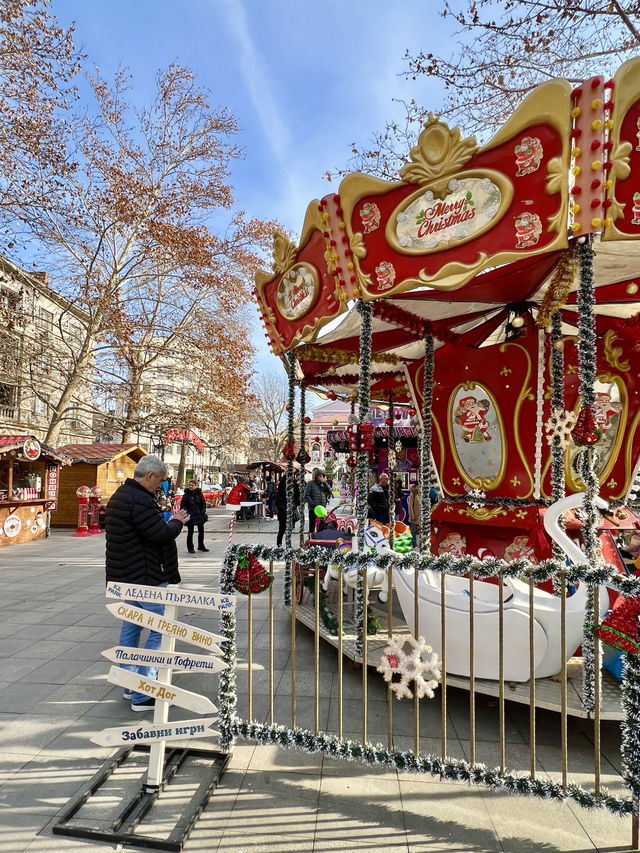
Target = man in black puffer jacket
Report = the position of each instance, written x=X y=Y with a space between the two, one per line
x=141 y=549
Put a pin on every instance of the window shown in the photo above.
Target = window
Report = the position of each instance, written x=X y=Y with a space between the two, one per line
x=73 y=417
x=7 y=400
x=46 y=322
x=40 y=405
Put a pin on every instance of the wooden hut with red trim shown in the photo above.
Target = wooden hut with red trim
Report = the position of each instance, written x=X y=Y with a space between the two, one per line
x=106 y=466
x=29 y=487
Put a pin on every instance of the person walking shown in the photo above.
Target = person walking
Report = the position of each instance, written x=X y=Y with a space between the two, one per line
x=398 y=497
x=379 y=500
x=281 y=506
x=415 y=513
x=194 y=503
x=141 y=549
x=317 y=494
x=270 y=495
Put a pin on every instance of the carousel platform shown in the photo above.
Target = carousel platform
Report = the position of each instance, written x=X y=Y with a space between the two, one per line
x=548 y=691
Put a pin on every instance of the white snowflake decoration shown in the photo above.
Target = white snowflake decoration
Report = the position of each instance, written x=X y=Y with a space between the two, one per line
x=454 y=185
x=560 y=424
x=420 y=665
x=476 y=498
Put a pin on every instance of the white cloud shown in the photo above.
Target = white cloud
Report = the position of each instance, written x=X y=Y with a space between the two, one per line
x=256 y=78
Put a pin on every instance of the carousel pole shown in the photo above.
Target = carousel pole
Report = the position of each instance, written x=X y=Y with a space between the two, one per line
x=362 y=507
x=558 y=489
x=425 y=448
x=303 y=456
x=290 y=476
x=587 y=374
x=392 y=474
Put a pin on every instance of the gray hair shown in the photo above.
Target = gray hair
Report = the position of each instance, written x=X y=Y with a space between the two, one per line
x=150 y=465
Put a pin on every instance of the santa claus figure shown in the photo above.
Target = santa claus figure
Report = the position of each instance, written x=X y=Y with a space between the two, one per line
x=470 y=414
x=604 y=410
x=454 y=544
x=520 y=550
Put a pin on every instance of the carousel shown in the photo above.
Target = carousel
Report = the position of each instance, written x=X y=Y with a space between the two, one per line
x=492 y=295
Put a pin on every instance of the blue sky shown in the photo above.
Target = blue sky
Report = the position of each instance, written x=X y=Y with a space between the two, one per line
x=304 y=79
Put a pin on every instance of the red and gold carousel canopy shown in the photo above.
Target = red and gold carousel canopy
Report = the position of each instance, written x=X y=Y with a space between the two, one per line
x=469 y=239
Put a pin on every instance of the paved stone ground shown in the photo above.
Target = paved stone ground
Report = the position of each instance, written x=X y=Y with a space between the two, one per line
x=54 y=695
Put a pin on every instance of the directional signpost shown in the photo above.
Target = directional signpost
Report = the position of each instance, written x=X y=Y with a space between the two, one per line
x=167 y=692
x=127 y=608
x=179 y=730
x=201 y=599
x=178 y=661
x=164 y=625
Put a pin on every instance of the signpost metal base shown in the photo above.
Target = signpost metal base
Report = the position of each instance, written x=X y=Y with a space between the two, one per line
x=137 y=805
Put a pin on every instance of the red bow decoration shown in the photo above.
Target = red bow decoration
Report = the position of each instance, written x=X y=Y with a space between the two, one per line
x=289 y=452
x=251 y=576
x=585 y=432
x=620 y=628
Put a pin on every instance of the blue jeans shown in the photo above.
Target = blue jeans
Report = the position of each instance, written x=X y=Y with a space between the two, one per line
x=415 y=530
x=130 y=636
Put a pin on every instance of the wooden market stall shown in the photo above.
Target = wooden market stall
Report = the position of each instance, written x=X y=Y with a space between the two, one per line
x=106 y=466
x=29 y=487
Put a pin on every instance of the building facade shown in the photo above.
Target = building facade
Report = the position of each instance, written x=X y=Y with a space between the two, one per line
x=40 y=334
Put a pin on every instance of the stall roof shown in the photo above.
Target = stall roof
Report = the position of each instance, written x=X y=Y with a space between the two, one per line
x=16 y=442
x=97 y=454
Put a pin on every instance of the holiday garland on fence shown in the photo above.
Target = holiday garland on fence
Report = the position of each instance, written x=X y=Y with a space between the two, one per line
x=452 y=769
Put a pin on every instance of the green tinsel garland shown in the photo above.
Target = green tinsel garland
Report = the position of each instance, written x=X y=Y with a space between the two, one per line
x=362 y=507
x=558 y=478
x=391 y=470
x=630 y=747
x=600 y=575
x=290 y=475
x=303 y=464
x=425 y=446
x=587 y=374
x=227 y=681
x=452 y=769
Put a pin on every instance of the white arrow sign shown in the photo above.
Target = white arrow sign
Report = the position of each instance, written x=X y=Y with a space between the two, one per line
x=179 y=729
x=178 y=661
x=166 y=692
x=201 y=599
x=179 y=630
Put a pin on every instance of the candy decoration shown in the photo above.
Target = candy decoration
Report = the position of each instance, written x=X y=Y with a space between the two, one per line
x=620 y=627
x=251 y=576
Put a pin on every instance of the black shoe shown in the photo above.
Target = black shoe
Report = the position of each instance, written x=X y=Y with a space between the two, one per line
x=190 y=551
x=147 y=705
x=203 y=549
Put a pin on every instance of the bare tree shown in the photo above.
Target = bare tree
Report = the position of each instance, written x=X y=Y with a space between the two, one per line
x=38 y=64
x=270 y=394
x=129 y=230
x=503 y=50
